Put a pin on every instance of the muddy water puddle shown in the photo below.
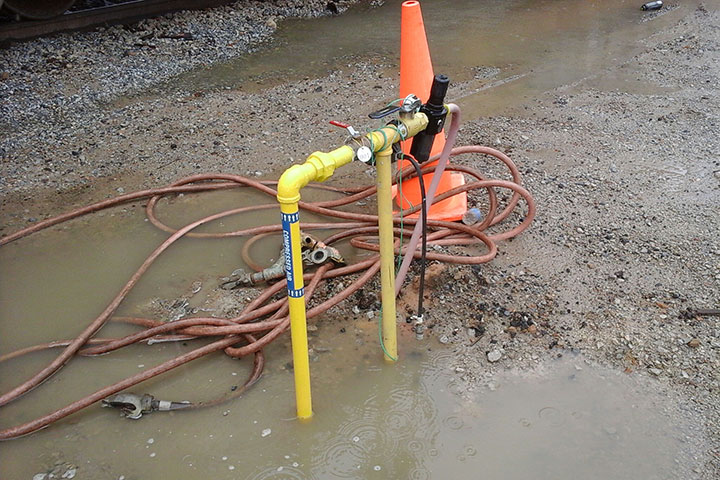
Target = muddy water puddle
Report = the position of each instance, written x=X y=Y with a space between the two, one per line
x=70 y=273
x=414 y=420
x=372 y=420
x=497 y=54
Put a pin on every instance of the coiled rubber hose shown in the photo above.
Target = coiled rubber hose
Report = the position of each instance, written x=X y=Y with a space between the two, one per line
x=263 y=319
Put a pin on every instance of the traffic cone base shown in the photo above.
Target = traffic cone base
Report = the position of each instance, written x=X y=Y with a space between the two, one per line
x=449 y=210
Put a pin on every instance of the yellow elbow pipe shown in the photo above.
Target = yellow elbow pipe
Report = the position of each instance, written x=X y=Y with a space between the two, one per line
x=318 y=167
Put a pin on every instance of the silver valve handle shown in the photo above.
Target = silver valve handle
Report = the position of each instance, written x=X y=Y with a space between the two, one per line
x=410 y=104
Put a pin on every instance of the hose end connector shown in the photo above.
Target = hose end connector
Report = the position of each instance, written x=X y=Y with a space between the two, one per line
x=418 y=322
x=133 y=405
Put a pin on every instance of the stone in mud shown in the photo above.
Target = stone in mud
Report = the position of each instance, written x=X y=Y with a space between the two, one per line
x=494 y=355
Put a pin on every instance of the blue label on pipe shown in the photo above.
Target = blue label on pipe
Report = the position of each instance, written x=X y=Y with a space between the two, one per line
x=287 y=220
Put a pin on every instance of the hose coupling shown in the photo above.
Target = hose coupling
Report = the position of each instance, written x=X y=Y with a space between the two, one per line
x=238 y=278
x=314 y=252
x=418 y=322
x=133 y=405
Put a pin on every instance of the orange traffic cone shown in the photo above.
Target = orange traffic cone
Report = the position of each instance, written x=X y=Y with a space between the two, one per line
x=416 y=76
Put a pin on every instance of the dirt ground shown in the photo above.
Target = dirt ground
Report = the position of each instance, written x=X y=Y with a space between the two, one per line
x=623 y=251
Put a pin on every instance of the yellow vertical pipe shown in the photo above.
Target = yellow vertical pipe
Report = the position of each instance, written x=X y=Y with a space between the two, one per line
x=387 y=256
x=296 y=303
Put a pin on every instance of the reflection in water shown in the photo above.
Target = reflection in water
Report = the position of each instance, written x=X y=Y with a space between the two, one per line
x=387 y=433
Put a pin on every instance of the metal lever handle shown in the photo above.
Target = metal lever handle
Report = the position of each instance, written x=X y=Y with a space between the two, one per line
x=384 y=112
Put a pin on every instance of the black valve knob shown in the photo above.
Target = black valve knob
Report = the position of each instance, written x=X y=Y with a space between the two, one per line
x=436 y=113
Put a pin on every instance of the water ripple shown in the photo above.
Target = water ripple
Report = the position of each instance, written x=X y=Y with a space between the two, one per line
x=419 y=474
x=342 y=458
x=552 y=416
x=281 y=473
x=454 y=422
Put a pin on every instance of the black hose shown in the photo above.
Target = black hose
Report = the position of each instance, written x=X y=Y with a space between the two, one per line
x=423 y=220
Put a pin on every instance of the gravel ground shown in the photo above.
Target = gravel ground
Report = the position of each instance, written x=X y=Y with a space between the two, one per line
x=63 y=80
x=623 y=251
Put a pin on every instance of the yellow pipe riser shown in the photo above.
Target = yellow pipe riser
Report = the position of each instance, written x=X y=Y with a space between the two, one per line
x=296 y=303
x=383 y=162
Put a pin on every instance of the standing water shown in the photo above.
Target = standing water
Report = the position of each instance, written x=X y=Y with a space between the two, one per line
x=499 y=54
x=372 y=420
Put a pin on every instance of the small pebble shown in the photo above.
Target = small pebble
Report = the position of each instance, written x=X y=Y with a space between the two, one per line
x=494 y=355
